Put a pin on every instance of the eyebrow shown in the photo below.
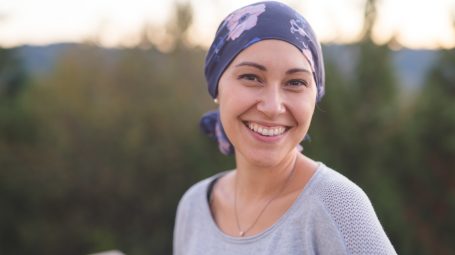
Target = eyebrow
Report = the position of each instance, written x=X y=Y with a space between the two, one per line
x=258 y=66
x=297 y=70
x=263 y=68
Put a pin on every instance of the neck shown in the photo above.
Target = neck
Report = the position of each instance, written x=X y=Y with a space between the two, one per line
x=256 y=182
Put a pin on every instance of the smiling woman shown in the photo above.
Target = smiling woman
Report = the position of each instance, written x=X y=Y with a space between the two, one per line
x=265 y=90
x=265 y=70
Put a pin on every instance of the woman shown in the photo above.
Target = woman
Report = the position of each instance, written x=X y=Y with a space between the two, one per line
x=265 y=70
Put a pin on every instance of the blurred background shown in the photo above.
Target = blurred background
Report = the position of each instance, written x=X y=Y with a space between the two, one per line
x=100 y=103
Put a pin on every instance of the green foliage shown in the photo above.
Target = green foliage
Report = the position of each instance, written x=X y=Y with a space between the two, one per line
x=117 y=145
x=12 y=76
x=428 y=148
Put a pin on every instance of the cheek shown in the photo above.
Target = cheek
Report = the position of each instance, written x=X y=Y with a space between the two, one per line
x=231 y=108
x=303 y=111
x=228 y=103
x=234 y=96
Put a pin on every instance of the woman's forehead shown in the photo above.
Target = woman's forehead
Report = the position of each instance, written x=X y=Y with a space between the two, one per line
x=273 y=53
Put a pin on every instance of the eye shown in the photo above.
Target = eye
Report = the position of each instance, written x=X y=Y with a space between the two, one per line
x=298 y=83
x=249 y=77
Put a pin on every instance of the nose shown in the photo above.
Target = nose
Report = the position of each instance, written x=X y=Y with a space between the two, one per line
x=271 y=102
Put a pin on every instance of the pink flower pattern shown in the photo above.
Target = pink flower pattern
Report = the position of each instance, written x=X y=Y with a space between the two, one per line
x=296 y=28
x=309 y=57
x=243 y=20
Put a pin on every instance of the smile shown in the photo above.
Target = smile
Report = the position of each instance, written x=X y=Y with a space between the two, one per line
x=266 y=131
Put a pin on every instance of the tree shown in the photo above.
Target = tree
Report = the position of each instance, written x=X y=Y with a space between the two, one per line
x=428 y=149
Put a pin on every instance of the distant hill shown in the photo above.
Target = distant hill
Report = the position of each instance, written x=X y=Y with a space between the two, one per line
x=411 y=65
x=41 y=59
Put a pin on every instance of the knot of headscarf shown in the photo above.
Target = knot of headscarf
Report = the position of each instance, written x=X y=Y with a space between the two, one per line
x=241 y=29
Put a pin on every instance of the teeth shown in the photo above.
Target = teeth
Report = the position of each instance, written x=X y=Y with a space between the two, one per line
x=266 y=131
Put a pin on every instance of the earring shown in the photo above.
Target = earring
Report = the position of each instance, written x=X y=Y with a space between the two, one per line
x=215 y=100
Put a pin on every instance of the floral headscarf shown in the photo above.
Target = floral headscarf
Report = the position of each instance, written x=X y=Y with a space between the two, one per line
x=241 y=29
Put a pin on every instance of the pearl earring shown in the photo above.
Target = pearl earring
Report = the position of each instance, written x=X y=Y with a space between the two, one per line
x=215 y=100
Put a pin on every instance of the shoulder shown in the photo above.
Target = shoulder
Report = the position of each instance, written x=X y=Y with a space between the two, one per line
x=196 y=197
x=352 y=212
x=345 y=201
x=197 y=192
x=192 y=211
x=336 y=191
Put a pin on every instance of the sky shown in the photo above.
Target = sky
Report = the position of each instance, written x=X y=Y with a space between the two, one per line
x=117 y=23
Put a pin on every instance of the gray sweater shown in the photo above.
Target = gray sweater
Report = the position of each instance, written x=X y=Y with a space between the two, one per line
x=332 y=215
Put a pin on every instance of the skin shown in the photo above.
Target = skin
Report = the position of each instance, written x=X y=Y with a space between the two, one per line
x=269 y=84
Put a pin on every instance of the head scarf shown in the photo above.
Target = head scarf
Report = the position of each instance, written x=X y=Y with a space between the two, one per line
x=241 y=29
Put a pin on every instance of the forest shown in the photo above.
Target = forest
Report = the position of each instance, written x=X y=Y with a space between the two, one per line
x=96 y=153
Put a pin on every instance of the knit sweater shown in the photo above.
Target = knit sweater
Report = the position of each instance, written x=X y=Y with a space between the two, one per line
x=332 y=215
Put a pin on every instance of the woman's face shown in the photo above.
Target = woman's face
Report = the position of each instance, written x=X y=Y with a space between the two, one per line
x=267 y=97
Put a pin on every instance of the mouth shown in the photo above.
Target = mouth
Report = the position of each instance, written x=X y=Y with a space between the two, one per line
x=265 y=130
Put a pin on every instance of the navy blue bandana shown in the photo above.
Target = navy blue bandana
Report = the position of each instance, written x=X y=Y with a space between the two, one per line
x=241 y=29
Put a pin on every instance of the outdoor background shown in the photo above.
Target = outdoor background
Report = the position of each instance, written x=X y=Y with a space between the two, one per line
x=97 y=144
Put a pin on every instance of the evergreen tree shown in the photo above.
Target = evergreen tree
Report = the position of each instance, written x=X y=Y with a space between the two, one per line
x=428 y=145
x=17 y=136
x=12 y=74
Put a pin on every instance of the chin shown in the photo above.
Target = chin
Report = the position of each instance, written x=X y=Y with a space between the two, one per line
x=264 y=158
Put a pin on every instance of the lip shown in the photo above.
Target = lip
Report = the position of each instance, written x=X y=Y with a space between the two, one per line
x=266 y=139
x=266 y=124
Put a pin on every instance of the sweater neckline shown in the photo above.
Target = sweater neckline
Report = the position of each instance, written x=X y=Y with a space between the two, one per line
x=234 y=239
